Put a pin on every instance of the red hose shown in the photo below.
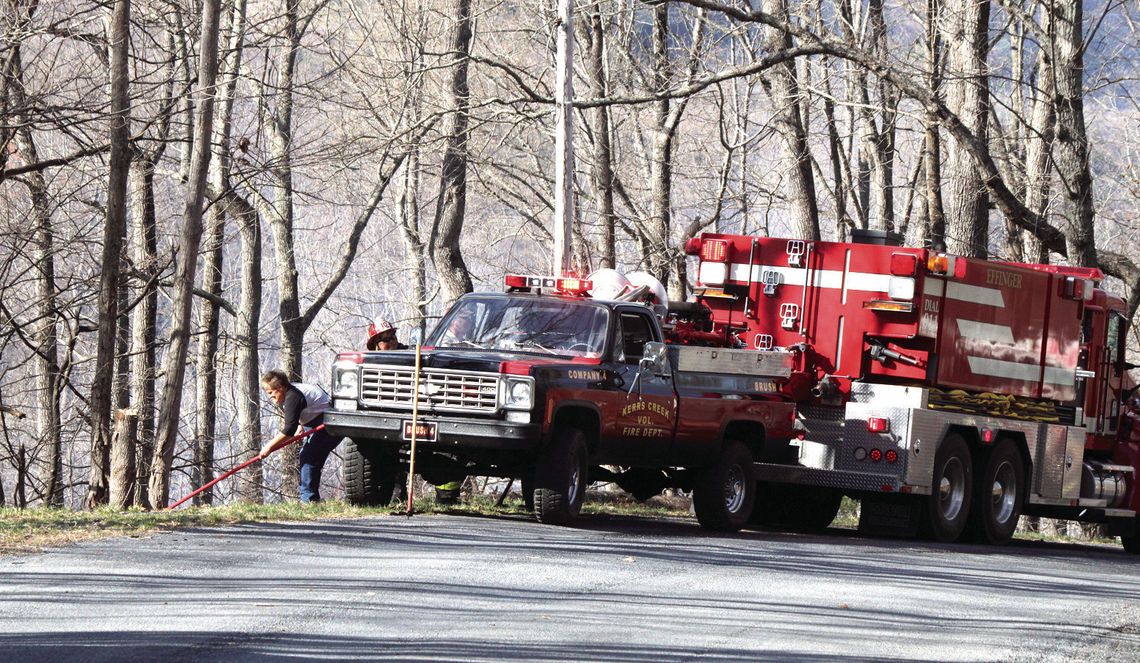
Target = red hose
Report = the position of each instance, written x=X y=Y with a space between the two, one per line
x=251 y=461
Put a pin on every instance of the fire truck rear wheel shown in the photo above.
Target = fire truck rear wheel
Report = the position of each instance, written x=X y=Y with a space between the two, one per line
x=794 y=507
x=998 y=495
x=369 y=474
x=560 y=478
x=723 y=495
x=1132 y=543
x=948 y=506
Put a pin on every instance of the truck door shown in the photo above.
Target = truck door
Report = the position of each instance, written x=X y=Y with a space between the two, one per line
x=1109 y=374
x=640 y=412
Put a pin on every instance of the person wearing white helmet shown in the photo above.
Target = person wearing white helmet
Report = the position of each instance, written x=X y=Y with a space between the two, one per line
x=382 y=336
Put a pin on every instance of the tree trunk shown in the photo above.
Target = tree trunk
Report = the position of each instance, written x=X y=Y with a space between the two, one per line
x=414 y=249
x=123 y=459
x=1071 y=149
x=246 y=324
x=603 y=150
x=144 y=319
x=452 y=202
x=660 y=154
x=935 y=227
x=206 y=375
x=20 y=496
x=175 y=365
x=1039 y=139
x=884 y=133
x=101 y=391
x=46 y=337
x=965 y=25
x=783 y=87
x=1017 y=134
x=209 y=322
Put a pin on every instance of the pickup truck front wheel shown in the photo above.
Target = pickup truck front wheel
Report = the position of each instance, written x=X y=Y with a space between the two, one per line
x=369 y=474
x=560 y=478
x=723 y=495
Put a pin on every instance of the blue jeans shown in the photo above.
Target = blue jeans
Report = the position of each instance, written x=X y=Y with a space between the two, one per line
x=315 y=449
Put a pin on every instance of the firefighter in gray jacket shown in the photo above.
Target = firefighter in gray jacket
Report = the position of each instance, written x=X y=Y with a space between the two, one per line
x=304 y=408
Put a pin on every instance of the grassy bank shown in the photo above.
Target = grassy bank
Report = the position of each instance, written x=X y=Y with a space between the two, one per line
x=32 y=530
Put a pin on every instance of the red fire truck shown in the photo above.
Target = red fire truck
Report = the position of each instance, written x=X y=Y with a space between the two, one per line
x=949 y=394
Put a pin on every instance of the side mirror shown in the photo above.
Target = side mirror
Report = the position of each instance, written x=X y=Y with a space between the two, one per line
x=655 y=359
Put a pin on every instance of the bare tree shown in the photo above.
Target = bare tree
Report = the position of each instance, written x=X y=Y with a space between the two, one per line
x=452 y=202
x=97 y=486
x=965 y=31
x=45 y=336
x=175 y=365
x=209 y=322
x=1071 y=147
x=594 y=33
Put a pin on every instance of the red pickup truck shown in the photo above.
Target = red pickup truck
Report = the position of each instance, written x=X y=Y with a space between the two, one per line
x=548 y=385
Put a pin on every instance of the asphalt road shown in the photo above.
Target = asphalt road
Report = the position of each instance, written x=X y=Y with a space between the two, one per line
x=498 y=589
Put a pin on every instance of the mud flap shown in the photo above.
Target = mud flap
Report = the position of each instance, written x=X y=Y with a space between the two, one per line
x=890 y=516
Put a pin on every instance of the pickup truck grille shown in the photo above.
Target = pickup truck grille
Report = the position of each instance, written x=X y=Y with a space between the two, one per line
x=440 y=390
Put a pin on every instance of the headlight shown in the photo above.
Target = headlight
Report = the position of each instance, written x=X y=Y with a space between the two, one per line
x=346 y=382
x=518 y=393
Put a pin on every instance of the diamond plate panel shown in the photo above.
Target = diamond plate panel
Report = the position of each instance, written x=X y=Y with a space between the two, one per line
x=1051 y=468
x=810 y=476
x=858 y=437
x=822 y=428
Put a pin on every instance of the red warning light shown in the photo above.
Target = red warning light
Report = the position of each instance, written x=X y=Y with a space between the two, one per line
x=714 y=250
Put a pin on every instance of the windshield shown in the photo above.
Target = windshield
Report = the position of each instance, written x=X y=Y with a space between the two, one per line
x=546 y=326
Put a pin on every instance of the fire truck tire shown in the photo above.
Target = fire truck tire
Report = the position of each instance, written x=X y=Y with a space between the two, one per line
x=1132 y=543
x=723 y=495
x=369 y=475
x=948 y=506
x=794 y=507
x=560 y=479
x=998 y=495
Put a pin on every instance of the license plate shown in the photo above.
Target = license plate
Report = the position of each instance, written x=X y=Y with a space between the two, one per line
x=426 y=431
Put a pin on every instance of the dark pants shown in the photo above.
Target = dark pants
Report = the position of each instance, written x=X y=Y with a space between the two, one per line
x=315 y=449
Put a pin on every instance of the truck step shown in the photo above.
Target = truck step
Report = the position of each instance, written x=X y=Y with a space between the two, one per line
x=847 y=479
x=1105 y=467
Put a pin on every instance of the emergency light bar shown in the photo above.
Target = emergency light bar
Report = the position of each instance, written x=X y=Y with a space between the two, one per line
x=564 y=284
x=947 y=265
x=1078 y=289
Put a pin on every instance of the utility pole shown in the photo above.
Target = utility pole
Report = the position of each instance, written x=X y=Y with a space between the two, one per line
x=564 y=140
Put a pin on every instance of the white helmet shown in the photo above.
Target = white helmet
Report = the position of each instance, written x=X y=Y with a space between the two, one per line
x=608 y=284
x=377 y=328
